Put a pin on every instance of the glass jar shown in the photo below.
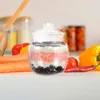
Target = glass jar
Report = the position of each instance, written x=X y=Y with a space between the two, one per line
x=4 y=42
x=80 y=38
x=24 y=29
x=12 y=40
x=71 y=38
x=48 y=54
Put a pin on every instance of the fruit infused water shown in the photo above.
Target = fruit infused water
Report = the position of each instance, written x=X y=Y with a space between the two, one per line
x=48 y=54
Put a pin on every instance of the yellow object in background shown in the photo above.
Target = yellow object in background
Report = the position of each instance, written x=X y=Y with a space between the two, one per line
x=24 y=50
x=12 y=40
x=24 y=28
x=91 y=56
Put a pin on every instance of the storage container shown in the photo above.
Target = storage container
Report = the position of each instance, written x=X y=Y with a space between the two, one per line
x=80 y=38
x=71 y=38
x=24 y=27
x=12 y=40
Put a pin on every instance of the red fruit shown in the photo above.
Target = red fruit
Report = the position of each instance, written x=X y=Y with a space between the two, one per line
x=72 y=63
x=16 y=49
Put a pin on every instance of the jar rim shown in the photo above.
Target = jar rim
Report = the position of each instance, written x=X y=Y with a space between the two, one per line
x=25 y=19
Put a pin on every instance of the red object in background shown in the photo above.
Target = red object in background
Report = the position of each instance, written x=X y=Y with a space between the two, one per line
x=16 y=49
x=72 y=63
x=25 y=44
x=80 y=69
x=80 y=38
x=73 y=66
x=71 y=38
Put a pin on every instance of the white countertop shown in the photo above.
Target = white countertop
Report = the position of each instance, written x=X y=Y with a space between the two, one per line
x=66 y=86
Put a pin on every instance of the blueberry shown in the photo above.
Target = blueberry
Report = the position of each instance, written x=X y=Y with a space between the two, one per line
x=47 y=70
x=52 y=69
x=59 y=69
x=55 y=71
x=52 y=66
x=40 y=69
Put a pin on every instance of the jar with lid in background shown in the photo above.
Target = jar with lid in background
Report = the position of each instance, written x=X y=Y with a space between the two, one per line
x=12 y=40
x=71 y=38
x=80 y=38
x=24 y=29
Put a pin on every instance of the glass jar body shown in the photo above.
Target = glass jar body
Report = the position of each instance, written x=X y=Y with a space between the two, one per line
x=12 y=40
x=48 y=57
x=24 y=27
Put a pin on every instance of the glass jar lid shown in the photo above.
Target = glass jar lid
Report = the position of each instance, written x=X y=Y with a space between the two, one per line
x=47 y=33
x=5 y=19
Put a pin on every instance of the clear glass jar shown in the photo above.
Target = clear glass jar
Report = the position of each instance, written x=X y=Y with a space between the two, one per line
x=4 y=42
x=12 y=40
x=48 y=54
x=24 y=27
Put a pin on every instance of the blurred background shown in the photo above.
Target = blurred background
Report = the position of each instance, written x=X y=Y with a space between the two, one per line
x=61 y=13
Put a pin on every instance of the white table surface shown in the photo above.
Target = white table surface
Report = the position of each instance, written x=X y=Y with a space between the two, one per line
x=65 y=86
x=68 y=86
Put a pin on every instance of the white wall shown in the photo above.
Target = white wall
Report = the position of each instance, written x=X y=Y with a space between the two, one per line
x=61 y=12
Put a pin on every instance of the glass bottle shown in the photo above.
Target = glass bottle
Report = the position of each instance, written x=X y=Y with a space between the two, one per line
x=24 y=29
x=12 y=40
